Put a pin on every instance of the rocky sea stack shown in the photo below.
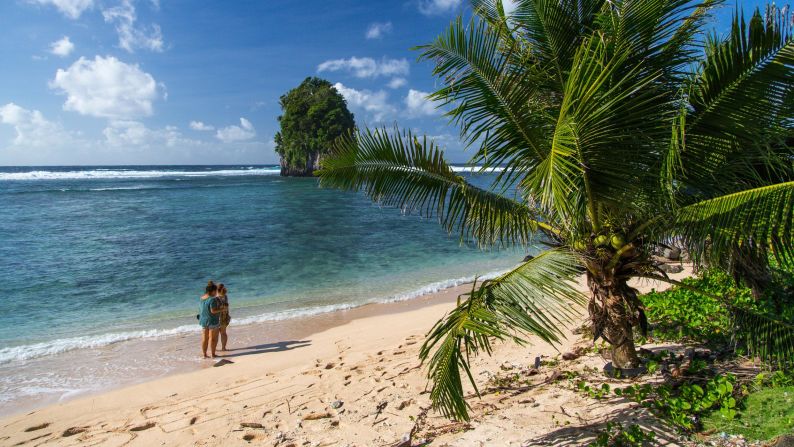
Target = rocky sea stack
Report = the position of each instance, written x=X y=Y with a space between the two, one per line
x=314 y=115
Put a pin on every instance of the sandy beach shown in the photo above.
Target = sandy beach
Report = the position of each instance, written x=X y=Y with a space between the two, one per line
x=344 y=379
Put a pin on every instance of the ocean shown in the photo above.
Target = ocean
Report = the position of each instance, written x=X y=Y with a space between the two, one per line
x=98 y=258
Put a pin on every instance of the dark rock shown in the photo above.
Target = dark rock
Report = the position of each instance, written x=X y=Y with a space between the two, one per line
x=337 y=404
x=528 y=258
x=672 y=253
x=671 y=268
x=784 y=441
x=222 y=362
x=571 y=356
x=312 y=164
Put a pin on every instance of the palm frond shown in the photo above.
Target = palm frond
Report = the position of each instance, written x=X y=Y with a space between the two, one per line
x=538 y=297
x=764 y=337
x=493 y=92
x=404 y=172
x=739 y=103
x=764 y=216
x=661 y=33
x=555 y=30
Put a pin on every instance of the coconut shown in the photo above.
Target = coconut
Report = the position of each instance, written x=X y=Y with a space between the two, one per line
x=601 y=240
x=618 y=241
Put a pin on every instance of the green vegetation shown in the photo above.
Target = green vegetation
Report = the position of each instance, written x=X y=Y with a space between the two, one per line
x=314 y=115
x=765 y=414
x=680 y=314
x=614 y=435
x=618 y=123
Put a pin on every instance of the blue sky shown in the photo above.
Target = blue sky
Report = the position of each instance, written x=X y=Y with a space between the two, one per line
x=198 y=82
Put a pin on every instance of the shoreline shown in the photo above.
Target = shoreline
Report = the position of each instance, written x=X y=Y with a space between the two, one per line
x=365 y=358
x=247 y=334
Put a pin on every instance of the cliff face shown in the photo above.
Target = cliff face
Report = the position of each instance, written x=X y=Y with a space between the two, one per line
x=312 y=164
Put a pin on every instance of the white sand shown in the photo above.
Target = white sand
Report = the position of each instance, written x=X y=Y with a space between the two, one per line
x=367 y=363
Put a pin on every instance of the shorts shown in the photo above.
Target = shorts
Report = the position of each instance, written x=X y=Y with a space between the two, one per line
x=212 y=326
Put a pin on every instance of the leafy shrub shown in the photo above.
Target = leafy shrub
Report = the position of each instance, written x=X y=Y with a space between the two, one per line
x=681 y=314
x=597 y=393
x=614 y=435
x=684 y=406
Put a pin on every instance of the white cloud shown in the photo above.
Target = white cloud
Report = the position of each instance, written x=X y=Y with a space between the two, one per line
x=376 y=104
x=129 y=133
x=397 y=82
x=32 y=129
x=70 y=8
x=437 y=7
x=229 y=134
x=62 y=47
x=107 y=88
x=418 y=104
x=198 y=125
x=377 y=30
x=366 y=67
x=130 y=36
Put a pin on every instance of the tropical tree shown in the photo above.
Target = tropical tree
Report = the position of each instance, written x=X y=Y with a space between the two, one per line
x=623 y=126
x=314 y=115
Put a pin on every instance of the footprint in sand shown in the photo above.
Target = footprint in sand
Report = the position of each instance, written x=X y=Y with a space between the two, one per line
x=71 y=431
x=37 y=427
x=143 y=427
x=252 y=437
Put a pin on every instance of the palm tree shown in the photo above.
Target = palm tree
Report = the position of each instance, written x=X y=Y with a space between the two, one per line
x=623 y=126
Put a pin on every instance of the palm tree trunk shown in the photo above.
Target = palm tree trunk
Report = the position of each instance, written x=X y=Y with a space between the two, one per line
x=612 y=319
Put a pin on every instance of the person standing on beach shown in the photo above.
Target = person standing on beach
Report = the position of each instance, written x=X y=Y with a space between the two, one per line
x=225 y=317
x=209 y=319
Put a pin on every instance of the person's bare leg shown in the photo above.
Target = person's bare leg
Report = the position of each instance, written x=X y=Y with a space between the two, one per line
x=213 y=341
x=224 y=338
x=205 y=339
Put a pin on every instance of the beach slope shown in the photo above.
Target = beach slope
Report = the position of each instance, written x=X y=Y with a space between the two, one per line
x=358 y=384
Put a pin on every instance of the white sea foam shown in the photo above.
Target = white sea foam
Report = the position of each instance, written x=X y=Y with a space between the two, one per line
x=32 y=351
x=94 y=174
x=104 y=173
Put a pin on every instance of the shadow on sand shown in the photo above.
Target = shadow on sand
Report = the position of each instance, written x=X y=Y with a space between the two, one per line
x=265 y=348
x=584 y=434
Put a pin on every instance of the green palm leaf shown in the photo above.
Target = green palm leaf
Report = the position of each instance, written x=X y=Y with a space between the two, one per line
x=538 y=297
x=400 y=171
x=713 y=228
x=764 y=337
x=494 y=94
x=740 y=98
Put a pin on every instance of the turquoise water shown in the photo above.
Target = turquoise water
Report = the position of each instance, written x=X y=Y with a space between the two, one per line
x=94 y=256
